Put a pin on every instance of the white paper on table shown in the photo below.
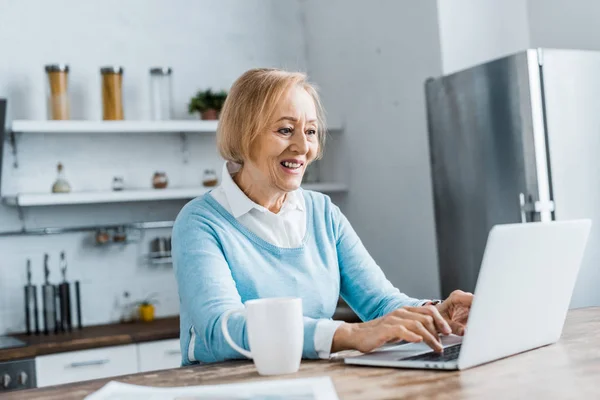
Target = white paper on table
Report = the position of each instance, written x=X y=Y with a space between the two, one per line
x=320 y=388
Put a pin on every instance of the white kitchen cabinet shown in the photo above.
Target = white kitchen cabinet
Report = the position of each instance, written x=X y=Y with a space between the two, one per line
x=160 y=354
x=75 y=366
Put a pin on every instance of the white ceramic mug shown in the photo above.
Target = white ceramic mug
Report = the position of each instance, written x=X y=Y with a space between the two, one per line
x=275 y=329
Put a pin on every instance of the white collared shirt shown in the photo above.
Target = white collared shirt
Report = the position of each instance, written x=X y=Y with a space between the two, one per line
x=284 y=229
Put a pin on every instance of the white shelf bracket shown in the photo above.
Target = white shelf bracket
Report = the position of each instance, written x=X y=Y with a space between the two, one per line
x=13 y=145
x=184 y=147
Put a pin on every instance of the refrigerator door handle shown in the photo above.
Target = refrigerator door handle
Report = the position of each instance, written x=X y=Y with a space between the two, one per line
x=523 y=208
x=533 y=207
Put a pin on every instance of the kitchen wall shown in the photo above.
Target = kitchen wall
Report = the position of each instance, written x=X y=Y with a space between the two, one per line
x=207 y=43
x=475 y=31
x=564 y=24
x=371 y=60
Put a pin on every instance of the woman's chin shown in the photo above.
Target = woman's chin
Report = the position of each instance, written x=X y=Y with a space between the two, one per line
x=289 y=185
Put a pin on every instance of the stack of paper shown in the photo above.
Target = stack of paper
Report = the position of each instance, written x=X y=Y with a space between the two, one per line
x=292 y=389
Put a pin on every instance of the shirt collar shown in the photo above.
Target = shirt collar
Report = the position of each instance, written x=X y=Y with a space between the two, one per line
x=241 y=204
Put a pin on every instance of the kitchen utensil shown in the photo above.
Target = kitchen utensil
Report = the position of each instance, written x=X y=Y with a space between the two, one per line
x=31 y=308
x=48 y=297
x=158 y=247
x=64 y=291
x=78 y=303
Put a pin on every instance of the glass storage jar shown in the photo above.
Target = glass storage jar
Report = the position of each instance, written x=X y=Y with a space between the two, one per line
x=112 y=93
x=209 y=178
x=160 y=93
x=58 y=91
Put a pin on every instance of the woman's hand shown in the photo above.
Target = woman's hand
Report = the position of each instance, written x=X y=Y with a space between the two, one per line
x=412 y=324
x=455 y=310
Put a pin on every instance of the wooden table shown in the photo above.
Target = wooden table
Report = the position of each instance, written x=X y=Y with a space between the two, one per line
x=568 y=369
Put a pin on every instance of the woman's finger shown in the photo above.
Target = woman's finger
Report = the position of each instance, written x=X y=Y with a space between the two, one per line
x=418 y=328
x=425 y=320
x=457 y=328
x=462 y=298
x=440 y=323
x=404 y=334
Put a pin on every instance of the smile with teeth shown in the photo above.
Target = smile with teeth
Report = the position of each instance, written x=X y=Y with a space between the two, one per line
x=291 y=165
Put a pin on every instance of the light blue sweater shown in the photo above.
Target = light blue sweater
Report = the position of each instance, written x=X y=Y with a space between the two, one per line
x=220 y=264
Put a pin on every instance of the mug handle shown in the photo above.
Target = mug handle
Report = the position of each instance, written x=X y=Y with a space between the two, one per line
x=226 y=332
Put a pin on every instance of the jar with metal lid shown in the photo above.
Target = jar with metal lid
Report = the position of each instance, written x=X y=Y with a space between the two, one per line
x=58 y=91
x=160 y=93
x=112 y=93
x=209 y=179
x=160 y=180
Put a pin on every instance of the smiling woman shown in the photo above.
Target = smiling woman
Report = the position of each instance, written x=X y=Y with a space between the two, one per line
x=273 y=125
x=260 y=235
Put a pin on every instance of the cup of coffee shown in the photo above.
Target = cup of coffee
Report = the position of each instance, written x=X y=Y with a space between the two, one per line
x=275 y=329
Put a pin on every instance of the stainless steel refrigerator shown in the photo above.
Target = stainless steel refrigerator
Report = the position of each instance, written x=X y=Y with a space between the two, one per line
x=515 y=140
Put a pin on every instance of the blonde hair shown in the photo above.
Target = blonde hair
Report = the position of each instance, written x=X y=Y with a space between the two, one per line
x=250 y=106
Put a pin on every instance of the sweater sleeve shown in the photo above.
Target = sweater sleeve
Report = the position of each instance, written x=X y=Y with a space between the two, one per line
x=207 y=290
x=363 y=284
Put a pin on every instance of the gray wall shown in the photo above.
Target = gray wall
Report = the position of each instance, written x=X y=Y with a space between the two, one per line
x=475 y=31
x=569 y=24
x=371 y=60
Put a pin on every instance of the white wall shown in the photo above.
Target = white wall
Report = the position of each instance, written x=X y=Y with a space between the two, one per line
x=208 y=44
x=564 y=24
x=371 y=60
x=475 y=31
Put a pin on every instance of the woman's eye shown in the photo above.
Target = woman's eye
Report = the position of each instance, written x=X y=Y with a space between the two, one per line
x=311 y=132
x=285 y=131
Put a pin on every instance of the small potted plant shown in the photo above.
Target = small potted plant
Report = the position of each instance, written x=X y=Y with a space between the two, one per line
x=146 y=308
x=207 y=103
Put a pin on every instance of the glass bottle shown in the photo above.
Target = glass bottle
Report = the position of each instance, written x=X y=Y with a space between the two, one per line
x=112 y=93
x=61 y=185
x=160 y=93
x=58 y=91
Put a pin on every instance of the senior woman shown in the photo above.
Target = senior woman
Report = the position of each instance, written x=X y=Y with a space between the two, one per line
x=260 y=235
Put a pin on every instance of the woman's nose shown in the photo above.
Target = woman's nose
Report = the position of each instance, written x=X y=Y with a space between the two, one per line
x=300 y=143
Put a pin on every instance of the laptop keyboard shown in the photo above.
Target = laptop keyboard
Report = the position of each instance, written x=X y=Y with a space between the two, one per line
x=450 y=354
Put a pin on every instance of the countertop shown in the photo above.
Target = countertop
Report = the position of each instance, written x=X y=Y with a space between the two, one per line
x=567 y=369
x=112 y=335
x=93 y=337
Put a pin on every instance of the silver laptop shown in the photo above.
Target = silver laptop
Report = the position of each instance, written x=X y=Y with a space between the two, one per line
x=522 y=296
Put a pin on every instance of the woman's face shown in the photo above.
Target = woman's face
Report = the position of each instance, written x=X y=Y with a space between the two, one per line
x=281 y=153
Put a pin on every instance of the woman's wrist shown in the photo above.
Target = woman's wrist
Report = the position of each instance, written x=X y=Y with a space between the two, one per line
x=342 y=338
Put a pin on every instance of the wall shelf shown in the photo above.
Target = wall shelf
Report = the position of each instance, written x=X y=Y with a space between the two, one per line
x=125 y=196
x=95 y=127
x=84 y=127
